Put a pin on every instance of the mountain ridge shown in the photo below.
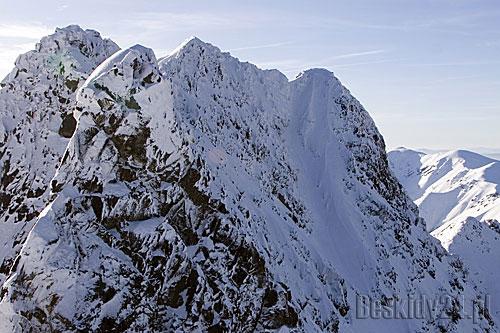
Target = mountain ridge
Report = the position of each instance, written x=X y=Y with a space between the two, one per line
x=459 y=192
x=467 y=183
x=201 y=193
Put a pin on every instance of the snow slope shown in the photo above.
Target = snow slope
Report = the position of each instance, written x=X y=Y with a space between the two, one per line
x=199 y=193
x=458 y=195
x=488 y=152
x=449 y=186
x=478 y=245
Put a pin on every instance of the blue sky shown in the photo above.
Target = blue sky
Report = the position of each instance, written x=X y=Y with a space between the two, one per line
x=427 y=71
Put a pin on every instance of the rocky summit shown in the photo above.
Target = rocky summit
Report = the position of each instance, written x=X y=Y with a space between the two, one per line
x=198 y=193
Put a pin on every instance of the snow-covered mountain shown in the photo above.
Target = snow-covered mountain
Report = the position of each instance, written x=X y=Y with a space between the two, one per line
x=458 y=193
x=477 y=243
x=449 y=186
x=200 y=193
x=493 y=153
x=37 y=100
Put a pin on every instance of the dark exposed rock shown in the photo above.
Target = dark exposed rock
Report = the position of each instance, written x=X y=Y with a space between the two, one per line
x=68 y=126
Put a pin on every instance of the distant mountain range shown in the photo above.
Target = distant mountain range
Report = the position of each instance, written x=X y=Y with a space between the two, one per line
x=488 y=152
x=458 y=194
x=449 y=186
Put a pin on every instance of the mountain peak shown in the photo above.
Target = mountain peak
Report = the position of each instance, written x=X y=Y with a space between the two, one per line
x=316 y=72
x=138 y=52
x=37 y=100
x=320 y=76
x=125 y=73
x=201 y=193
x=405 y=149
x=72 y=28
x=195 y=41
x=466 y=154
x=74 y=36
x=68 y=50
x=464 y=181
x=141 y=48
x=190 y=45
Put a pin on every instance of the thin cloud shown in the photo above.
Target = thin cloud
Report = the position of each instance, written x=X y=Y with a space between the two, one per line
x=263 y=46
x=167 y=21
x=290 y=65
x=364 y=63
x=464 y=20
x=448 y=26
x=356 y=54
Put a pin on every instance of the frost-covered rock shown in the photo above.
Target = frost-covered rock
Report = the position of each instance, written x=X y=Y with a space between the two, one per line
x=199 y=193
x=37 y=100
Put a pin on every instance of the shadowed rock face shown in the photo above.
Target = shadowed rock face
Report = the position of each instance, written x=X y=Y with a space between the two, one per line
x=201 y=193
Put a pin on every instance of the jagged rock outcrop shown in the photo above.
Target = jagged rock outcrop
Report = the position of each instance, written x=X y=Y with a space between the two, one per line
x=199 y=193
x=37 y=101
